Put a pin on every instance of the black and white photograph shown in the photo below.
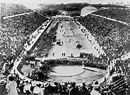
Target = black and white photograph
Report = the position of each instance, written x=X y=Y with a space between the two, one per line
x=64 y=47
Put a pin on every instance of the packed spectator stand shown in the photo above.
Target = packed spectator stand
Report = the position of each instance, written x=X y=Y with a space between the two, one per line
x=24 y=85
x=111 y=45
x=103 y=30
x=122 y=14
x=106 y=33
x=15 y=32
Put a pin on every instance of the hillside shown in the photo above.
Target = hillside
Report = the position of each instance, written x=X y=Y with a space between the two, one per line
x=12 y=9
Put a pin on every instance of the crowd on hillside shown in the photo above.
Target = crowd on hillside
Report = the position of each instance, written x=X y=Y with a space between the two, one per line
x=9 y=9
x=112 y=36
x=28 y=22
x=122 y=14
x=14 y=31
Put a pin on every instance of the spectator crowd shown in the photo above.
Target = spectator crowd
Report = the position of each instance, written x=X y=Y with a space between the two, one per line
x=112 y=36
x=122 y=14
x=32 y=87
x=15 y=30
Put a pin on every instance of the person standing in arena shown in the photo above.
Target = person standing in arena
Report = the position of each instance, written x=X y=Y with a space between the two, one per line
x=11 y=86
x=38 y=90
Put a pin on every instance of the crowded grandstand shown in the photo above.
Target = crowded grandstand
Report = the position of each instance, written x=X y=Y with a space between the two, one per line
x=92 y=50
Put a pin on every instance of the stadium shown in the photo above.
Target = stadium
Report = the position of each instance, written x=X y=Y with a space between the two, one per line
x=65 y=49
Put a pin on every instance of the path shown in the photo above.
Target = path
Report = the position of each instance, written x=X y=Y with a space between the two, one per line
x=17 y=15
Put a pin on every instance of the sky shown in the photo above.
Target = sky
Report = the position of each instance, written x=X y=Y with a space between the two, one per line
x=34 y=3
